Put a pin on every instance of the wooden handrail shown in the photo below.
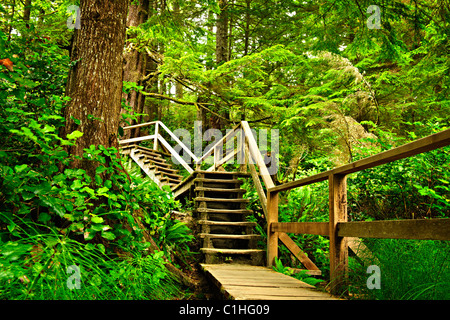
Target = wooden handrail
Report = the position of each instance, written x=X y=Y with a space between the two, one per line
x=157 y=125
x=158 y=138
x=175 y=154
x=140 y=125
x=338 y=228
x=175 y=138
x=256 y=154
x=220 y=142
x=429 y=143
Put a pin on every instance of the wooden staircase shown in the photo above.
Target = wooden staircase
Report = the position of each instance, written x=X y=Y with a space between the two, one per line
x=220 y=210
x=154 y=164
x=221 y=213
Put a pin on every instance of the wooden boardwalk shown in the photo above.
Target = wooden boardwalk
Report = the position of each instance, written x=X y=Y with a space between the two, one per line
x=245 y=282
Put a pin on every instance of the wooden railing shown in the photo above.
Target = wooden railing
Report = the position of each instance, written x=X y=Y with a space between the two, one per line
x=158 y=138
x=338 y=229
x=248 y=154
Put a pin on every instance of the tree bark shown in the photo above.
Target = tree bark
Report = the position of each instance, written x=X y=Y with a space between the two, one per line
x=222 y=33
x=95 y=80
x=27 y=10
x=135 y=63
x=222 y=56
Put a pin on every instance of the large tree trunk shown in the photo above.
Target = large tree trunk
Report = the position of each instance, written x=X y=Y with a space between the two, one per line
x=222 y=33
x=27 y=10
x=135 y=63
x=95 y=80
x=222 y=55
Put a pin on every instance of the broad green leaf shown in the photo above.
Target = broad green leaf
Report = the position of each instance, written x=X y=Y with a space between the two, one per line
x=74 y=135
x=96 y=219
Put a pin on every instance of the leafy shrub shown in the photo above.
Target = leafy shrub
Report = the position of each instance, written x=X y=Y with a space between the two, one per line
x=409 y=269
x=38 y=266
x=415 y=187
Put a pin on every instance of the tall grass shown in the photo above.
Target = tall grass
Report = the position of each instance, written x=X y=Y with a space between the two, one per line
x=36 y=267
x=410 y=270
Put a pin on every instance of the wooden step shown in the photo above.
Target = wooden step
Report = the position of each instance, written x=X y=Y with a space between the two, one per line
x=169 y=175
x=224 y=211
x=223 y=173
x=231 y=251
x=218 y=181
x=141 y=155
x=229 y=236
x=236 y=190
x=227 y=223
x=162 y=169
x=242 y=200
x=169 y=181
x=149 y=162
x=159 y=153
x=127 y=146
x=245 y=256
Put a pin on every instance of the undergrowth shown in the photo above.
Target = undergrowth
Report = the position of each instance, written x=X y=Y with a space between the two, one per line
x=43 y=266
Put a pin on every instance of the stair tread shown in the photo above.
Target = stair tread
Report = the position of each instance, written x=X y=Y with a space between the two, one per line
x=209 y=210
x=166 y=174
x=218 y=181
x=231 y=251
x=166 y=179
x=163 y=169
x=158 y=164
x=150 y=158
x=237 y=190
x=222 y=172
x=198 y=199
x=229 y=236
x=228 y=223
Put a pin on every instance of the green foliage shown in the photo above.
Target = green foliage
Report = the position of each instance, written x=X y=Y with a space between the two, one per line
x=409 y=269
x=302 y=78
x=302 y=276
x=415 y=187
x=35 y=267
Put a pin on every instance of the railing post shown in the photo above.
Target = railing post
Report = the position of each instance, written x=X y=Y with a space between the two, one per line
x=155 y=142
x=243 y=150
x=272 y=237
x=217 y=155
x=338 y=245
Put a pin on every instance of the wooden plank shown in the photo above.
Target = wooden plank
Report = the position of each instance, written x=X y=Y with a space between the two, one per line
x=243 y=292
x=422 y=229
x=140 y=125
x=244 y=282
x=256 y=182
x=302 y=182
x=272 y=236
x=256 y=154
x=230 y=134
x=184 y=186
x=426 y=144
x=226 y=158
x=175 y=154
x=155 y=142
x=175 y=138
x=137 y=139
x=296 y=251
x=319 y=228
x=429 y=143
x=338 y=245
